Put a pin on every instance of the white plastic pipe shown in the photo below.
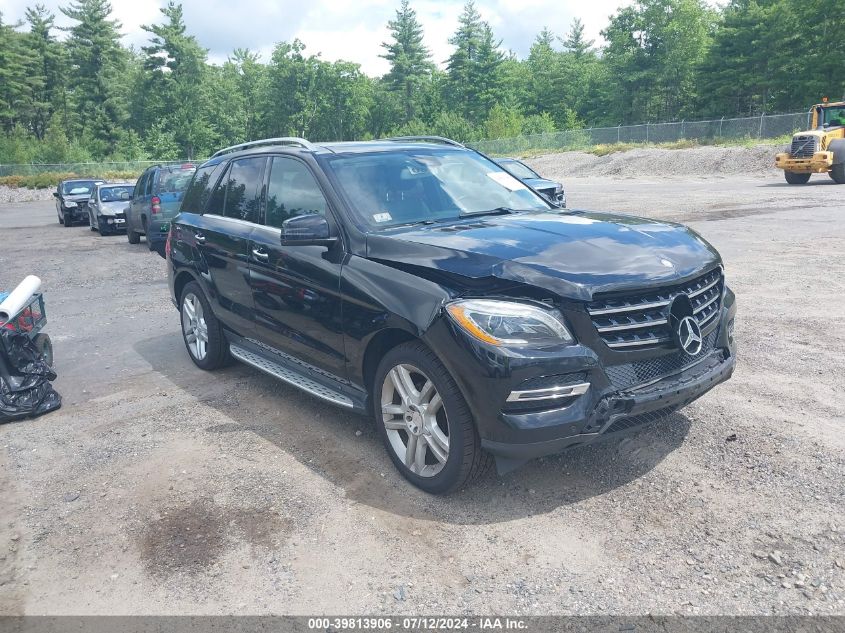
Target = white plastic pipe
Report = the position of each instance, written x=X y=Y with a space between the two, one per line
x=19 y=297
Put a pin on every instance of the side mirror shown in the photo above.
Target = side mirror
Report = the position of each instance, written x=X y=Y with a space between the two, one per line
x=55 y=194
x=307 y=230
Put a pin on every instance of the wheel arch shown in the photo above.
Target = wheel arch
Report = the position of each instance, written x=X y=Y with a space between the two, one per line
x=381 y=343
x=182 y=279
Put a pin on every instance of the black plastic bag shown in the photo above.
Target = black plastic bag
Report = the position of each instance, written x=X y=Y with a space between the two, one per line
x=25 y=389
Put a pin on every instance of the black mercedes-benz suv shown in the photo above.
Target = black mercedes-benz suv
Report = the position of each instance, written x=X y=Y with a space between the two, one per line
x=416 y=280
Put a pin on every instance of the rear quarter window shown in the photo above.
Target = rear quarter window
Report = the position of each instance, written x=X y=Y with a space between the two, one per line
x=199 y=188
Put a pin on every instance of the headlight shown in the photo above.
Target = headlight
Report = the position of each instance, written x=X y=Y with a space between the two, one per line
x=70 y=204
x=509 y=322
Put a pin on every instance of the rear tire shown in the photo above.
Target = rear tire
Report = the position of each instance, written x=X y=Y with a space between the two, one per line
x=837 y=172
x=410 y=421
x=202 y=333
x=794 y=178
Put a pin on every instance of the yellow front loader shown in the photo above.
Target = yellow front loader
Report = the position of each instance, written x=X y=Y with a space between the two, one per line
x=819 y=150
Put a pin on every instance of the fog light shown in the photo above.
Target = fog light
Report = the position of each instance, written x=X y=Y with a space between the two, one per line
x=731 y=332
x=110 y=221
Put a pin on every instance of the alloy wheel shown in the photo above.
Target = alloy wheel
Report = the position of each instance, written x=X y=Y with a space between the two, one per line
x=415 y=420
x=194 y=326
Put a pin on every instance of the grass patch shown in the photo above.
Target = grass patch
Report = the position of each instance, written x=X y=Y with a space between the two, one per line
x=613 y=148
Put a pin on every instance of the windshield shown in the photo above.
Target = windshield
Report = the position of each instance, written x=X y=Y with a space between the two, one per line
x=833 y=116
x=518 y=169
x=409 y=186
x=78 y=187
x=175 y=180
x=115 y=194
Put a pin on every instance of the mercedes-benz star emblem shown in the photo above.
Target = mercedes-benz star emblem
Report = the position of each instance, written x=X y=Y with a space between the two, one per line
x=689 y=335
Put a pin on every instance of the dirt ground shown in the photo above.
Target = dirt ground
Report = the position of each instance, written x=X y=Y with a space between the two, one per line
x=161 y=489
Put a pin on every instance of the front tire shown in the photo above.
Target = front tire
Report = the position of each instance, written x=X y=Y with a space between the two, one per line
x=794 y=178
x=92 y=223
x=201 y=331
x=837 y=172
x=424 y=421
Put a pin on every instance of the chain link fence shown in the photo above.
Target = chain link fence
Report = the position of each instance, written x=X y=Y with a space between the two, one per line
x=746 y=128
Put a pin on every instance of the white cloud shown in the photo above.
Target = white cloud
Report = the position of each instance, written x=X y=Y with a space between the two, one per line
x=340 y=29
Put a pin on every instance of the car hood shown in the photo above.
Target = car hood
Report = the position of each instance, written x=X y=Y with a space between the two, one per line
x=575 y=254
x=76 y=198
x=111 y=208
x=541 y=183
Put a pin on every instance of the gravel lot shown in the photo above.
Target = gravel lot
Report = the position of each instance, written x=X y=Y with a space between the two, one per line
x=158 y=488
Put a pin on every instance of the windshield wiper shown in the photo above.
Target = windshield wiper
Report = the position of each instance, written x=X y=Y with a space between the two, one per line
x=496 y=211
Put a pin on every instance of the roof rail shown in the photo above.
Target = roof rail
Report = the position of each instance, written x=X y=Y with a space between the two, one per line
x=291 y=140
x=431 y=139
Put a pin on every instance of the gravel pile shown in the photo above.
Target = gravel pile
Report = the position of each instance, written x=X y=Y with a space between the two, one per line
x=19 y=194
x=699 y=162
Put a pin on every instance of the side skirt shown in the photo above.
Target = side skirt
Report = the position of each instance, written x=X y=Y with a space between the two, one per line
x=298 y=374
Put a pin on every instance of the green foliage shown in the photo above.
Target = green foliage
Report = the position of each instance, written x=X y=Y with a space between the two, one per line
x=49 y=179
x=84 y=97
x=504 y=122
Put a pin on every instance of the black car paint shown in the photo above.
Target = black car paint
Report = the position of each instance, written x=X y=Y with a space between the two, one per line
x=75 y=213
x=332 y=308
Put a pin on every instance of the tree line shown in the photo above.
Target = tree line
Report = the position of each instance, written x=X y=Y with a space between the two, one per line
x=88 y=97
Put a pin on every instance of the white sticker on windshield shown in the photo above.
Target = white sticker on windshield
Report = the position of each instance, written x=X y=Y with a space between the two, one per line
x=382 y=217
x=506 y=180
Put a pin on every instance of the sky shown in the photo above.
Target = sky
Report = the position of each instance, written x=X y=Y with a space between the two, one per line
x=340 y=29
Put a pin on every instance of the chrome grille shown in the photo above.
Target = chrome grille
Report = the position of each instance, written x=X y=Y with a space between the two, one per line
x=640 y=321
x=803 y=146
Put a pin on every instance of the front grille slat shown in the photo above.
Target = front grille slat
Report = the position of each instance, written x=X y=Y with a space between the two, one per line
x=803 y=146
x=640 y=320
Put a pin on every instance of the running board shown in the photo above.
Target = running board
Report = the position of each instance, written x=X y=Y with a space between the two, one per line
x=289 y=376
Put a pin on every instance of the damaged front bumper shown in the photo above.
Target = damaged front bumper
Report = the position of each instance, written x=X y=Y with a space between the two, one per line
x=620 y=411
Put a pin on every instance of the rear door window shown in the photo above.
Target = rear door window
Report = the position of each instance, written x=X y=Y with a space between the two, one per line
x=291 y=191
x=141 y=185
x=243 y=189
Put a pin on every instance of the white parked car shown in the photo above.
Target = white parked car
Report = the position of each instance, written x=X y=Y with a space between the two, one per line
x=107 y=207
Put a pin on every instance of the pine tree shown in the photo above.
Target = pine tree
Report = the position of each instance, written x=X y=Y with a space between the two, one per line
x=176 y=66
x=45 y=74
x=473 y=68
x=97 y=73
x=15 y=90
x=410 y=61
x=575 y=41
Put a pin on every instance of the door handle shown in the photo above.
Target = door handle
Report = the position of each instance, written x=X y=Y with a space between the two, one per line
x=260 y=254
x=199 y=237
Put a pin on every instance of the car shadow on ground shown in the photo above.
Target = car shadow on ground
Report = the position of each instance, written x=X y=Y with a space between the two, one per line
x=346 y=448
x=812 y=183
